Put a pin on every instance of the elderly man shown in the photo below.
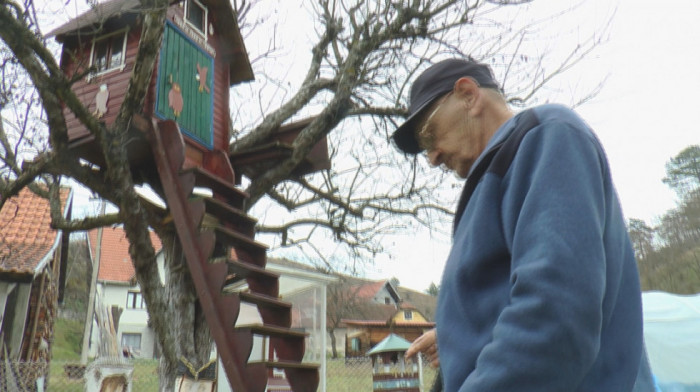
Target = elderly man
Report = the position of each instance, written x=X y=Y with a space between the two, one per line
x=540 y=290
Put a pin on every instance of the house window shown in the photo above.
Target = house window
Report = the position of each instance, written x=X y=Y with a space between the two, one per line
x=407 y=315
x=196 y=15
x=134 y=300
x=108 y=52
x=387 y=300
x=132 y=342
x=355 y=344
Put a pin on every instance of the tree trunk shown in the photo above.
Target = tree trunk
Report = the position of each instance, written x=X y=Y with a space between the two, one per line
x=191 y=337
x=333 y=343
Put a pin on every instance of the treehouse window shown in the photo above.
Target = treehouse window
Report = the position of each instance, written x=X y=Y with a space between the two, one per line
x=196 y=15
x=108 y=52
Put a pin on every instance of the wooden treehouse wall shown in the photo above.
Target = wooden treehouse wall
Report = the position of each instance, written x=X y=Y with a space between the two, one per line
x=197 y=120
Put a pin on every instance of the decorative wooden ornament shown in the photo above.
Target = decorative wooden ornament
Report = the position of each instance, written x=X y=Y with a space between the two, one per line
x=202 y=78
x=101 y=99
x=175 y=100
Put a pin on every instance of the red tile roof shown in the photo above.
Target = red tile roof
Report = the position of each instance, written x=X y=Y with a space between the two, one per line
x=369 y=290
x=379 y=323
x=115 y=262
x=26 y=237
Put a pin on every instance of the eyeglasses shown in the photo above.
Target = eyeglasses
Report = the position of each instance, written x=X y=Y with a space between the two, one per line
x=426 y=138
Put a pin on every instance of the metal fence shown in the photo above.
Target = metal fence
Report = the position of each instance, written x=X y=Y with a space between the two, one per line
x=60 y=376
x=355 y=375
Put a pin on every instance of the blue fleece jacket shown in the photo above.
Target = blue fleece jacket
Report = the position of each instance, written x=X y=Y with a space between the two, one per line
x=540 y=291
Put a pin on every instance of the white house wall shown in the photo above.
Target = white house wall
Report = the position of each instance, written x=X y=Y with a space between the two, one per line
x=5 y=290
x=131 y=320
x=382 y=295
x=16 y=330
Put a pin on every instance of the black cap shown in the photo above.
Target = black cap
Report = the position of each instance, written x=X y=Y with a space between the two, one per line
x=434 y=82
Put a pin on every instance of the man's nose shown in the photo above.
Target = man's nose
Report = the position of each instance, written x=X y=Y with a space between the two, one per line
x=434 y=157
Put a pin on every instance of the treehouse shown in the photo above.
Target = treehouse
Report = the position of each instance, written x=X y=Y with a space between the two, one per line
x=179 y=140
x=201 y=57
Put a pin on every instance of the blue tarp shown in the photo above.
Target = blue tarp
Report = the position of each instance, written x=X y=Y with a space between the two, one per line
x=672 y=338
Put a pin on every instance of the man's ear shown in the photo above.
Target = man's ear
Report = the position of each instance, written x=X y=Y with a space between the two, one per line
x=468 y=91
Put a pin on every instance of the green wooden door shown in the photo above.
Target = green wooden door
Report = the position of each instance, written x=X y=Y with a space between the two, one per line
x=185 y=91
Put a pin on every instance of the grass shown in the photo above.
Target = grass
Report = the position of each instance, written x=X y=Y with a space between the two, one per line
x=144 y=378
x=68 y=335
x=68 y=338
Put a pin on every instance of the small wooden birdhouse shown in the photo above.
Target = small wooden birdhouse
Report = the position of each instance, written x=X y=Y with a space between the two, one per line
x=390 y=370
x=201 y=56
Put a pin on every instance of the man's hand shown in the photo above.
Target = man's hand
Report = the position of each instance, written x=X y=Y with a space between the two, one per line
x=426 y=344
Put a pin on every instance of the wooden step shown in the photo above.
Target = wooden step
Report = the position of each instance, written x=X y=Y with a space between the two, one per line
x=273 y=311
x=219 y=187
x=230 y=217
x=283 y=365
x=247 y=249
x=259 y=280
x=264 y=301
x=272 y=331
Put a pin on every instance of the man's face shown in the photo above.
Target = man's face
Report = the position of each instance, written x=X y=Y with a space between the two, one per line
x=449 y=135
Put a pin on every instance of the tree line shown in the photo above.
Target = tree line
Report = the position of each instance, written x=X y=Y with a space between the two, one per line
x=668 y=252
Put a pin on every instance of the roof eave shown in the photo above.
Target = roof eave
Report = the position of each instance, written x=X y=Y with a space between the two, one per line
x=57 y=241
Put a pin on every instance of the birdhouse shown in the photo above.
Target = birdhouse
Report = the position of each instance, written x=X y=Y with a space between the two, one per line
x=201 y=56
x=390 y=370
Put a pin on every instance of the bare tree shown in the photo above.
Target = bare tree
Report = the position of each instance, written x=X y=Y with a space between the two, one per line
x=355 y=86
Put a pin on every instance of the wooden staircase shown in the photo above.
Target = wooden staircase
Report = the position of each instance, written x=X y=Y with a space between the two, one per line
x=217 y=238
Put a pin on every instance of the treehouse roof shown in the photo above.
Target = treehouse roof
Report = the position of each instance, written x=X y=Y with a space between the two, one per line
x=113 y=14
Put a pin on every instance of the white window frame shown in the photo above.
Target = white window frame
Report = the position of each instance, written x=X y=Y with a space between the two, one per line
x=206 y=17
x=136 y=350
x=355 y=344
x=408 y=315
x=139 y=298
x=120 y=67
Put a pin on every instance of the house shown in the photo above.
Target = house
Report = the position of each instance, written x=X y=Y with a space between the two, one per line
x=32 y=270
x=118 y=291
x=404 y=320
x=366 y=311
x=363 y=312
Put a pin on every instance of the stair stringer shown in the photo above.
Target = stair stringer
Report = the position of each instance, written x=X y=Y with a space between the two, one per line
x=221 y=310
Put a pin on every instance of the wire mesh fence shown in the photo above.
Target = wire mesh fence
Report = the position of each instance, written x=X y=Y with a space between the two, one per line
x=22 y=376
x=62 y=376
x=342 y=375
x=355 y=375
